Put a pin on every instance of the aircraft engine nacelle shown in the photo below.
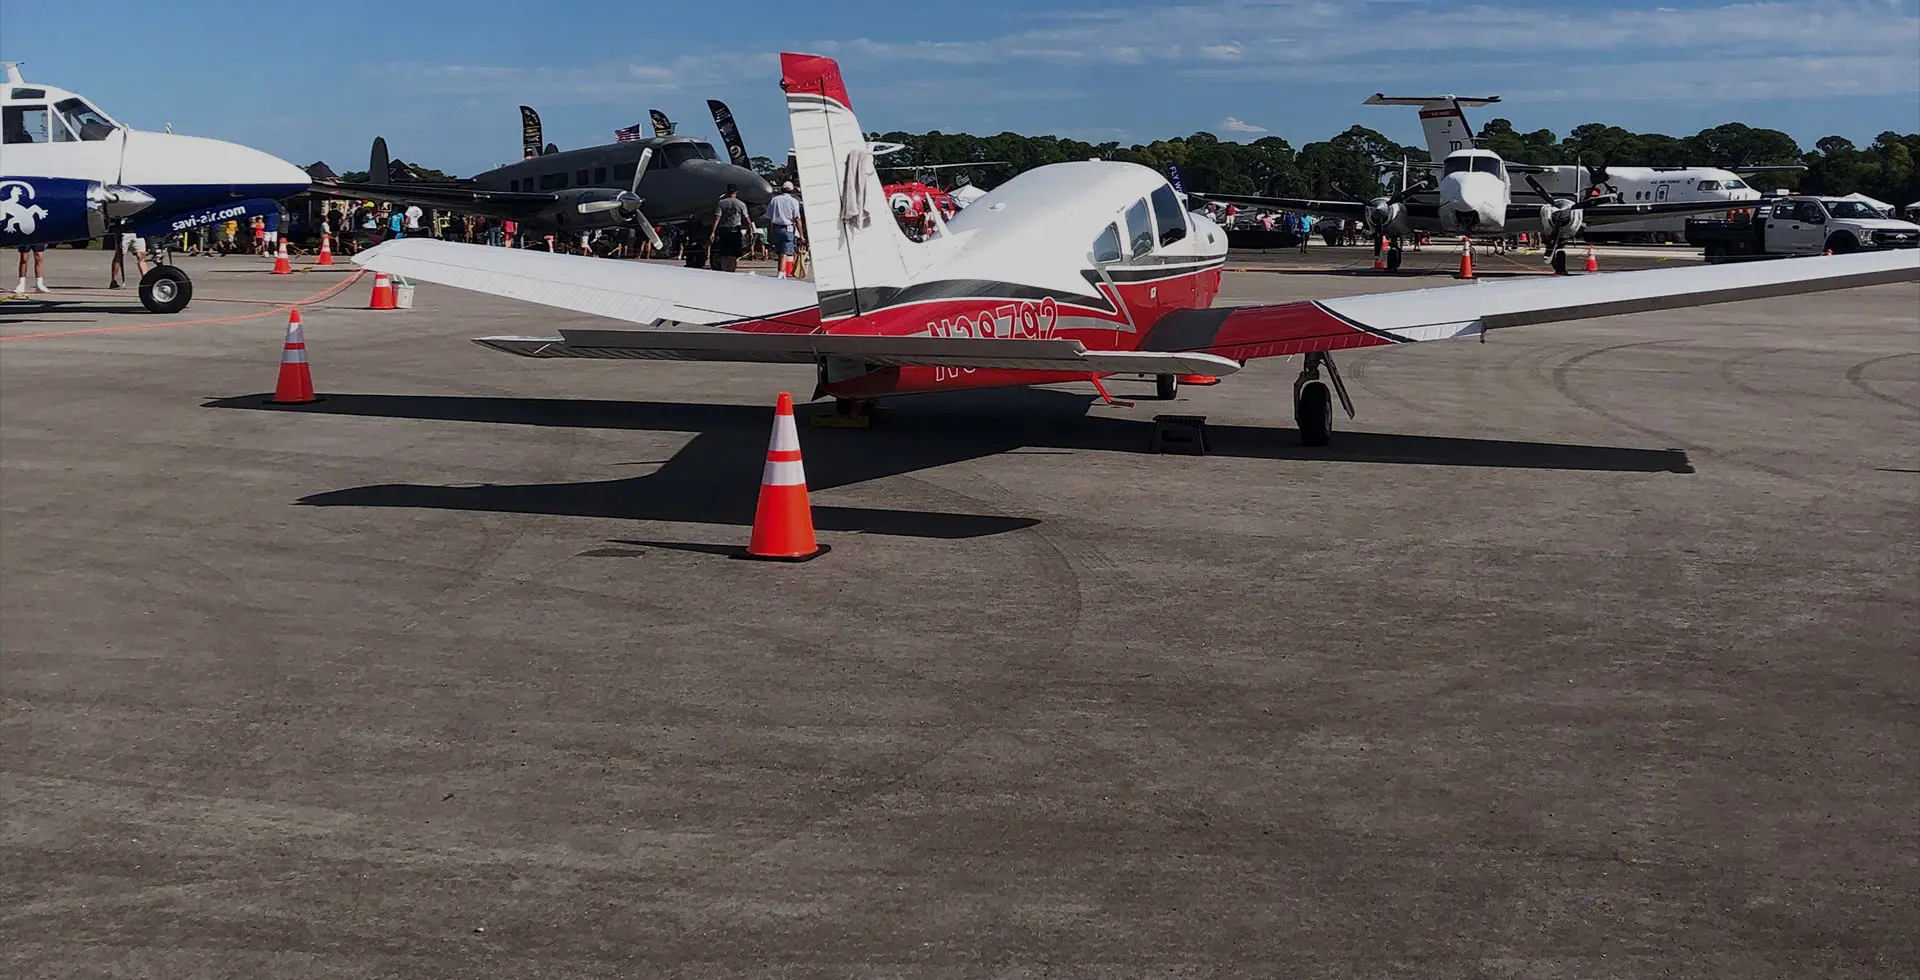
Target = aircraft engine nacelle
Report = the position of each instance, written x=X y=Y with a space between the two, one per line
x=1386 y=218
x=50 y=210
x=1562 y=219
x=595 y=207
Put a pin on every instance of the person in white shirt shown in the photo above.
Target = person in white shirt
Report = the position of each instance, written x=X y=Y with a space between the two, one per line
x=785 y=227
x=413 y=220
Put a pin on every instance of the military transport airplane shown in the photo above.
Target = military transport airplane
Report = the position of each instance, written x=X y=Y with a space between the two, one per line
x=1067 y=272
x=606 y=186
x=69 y=172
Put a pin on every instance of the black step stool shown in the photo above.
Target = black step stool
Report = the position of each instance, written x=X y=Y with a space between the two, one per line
x=1184 y=434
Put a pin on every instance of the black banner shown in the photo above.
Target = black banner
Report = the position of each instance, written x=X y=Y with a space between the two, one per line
x=662 y=126
x=729 y=133
x=529 y=132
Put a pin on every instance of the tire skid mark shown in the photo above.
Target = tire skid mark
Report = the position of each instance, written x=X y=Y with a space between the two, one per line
x=1856 y=376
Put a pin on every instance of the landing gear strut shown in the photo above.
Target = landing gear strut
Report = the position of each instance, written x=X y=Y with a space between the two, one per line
x=1393 y=256
x=1558 y=251
x=1313 y=404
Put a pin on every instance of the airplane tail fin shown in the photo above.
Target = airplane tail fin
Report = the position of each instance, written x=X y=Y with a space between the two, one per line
x=1442 y=118
x=378 y=169
x=859 y=251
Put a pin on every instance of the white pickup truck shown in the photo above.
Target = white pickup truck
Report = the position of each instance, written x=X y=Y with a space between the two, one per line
x=1801 y=226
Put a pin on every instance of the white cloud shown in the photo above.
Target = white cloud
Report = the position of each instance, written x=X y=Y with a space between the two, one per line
x=1233 y=125
x=1220 y=52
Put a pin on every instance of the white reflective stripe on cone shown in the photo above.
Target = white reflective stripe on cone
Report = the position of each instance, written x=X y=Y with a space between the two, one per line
x=295 y=356
x=294 y=334
x=784 y=474
x=786 y=438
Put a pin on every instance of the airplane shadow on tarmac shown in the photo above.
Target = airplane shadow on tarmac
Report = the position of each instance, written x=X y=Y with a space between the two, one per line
x=715 y=478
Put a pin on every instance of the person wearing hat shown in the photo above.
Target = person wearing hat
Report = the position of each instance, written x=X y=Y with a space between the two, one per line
x=785 y=227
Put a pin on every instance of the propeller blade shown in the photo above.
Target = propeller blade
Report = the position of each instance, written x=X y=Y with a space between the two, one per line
x=646 y=228
x=1541 y=191
x=646 y=157
x=1401 y=198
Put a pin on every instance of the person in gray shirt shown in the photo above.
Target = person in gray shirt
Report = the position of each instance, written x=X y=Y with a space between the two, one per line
x=728 y=237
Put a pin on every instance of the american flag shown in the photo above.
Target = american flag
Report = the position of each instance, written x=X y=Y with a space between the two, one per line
x=627 y=135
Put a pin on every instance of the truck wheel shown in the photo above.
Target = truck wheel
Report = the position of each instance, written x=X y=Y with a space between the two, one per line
x=1842 y=244
x=165 y=289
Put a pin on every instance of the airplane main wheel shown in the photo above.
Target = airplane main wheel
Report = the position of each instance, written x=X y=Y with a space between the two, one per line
x=1166 y=386
x=1313 y=413
x=1559 y=261
x=1393 y=259
x=165 y=289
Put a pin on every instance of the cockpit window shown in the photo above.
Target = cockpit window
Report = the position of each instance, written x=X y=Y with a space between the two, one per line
x=1709 y=185
x=1486 y=165
x=706 y=151
x=679 y=153
x=1139 y=228
x=1106 y=248
x=1168 y=217
x=24 y=124
x=1734 y=185
x=84 y=120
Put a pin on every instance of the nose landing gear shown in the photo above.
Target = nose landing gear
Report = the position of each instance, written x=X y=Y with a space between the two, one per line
x=1312 y=404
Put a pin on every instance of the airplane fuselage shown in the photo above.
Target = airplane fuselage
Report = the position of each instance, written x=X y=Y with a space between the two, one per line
x=683 y=179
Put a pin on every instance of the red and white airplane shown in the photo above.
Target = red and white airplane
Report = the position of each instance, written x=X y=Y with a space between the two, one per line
x=1068 y=272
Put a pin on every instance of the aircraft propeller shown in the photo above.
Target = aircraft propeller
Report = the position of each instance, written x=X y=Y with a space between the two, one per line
x=630 y=201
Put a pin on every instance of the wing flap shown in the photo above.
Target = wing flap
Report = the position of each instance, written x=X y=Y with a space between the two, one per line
x=920 y=351
x=636 y=292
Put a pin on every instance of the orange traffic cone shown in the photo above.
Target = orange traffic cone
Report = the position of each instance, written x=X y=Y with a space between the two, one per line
x=783 y=522
x=382 y=293
x=1593 y=265
x=1380 y=256
x=326 y=250
x=1466 y=259
x=1201 y=380
x=282 y=266
x=296 y=379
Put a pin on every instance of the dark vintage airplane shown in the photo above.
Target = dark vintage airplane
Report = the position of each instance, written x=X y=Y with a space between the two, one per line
x=606 y=186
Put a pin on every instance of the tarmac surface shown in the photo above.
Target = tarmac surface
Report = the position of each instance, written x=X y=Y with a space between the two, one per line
x=1586 y=652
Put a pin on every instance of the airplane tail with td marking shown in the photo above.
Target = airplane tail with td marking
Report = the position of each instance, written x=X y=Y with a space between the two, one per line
x=1442 y=118
x=860 y=255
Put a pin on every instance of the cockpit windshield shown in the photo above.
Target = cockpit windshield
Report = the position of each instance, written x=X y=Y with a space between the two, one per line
x=1456 y=165
x=1486 y=165
x=679 y=153
x=83 y=120
x=1734 y=185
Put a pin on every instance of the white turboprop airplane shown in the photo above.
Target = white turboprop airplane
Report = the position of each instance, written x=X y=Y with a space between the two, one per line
x=69 y=172
x=1067 y=272
x=1476 y=200
x=1444 y=122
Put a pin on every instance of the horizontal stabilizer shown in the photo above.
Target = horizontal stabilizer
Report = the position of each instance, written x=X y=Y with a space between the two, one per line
x=637 y=292
x=1429 y=100
x=919 y=351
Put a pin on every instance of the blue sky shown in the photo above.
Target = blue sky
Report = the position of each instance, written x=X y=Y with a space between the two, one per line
x=441 y=80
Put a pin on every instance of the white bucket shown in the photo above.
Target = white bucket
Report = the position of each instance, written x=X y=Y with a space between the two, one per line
x=402 y=294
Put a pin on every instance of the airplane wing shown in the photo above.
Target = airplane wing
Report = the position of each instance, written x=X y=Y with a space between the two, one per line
x=1247 y=332
x=503 y=204
x=637 y=292
x=1613 y=214
x=1331 y=209
x=920 y=351
x=1782 y=168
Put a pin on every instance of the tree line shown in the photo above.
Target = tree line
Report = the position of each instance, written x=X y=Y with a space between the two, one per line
x=1363 y=163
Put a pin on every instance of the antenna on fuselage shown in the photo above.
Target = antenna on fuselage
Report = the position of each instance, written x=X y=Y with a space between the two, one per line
x=13 y=72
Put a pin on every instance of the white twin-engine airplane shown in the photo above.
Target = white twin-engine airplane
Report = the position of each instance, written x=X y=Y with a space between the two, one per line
x=69 y=172
x=1443 y=120
x=1067 y=272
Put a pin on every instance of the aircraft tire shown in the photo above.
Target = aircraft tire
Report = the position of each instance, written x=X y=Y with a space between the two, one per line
x=165 y=289
x=1166 y=386
x=1313 y=413
x=1393 y=259
x=1560 y=261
